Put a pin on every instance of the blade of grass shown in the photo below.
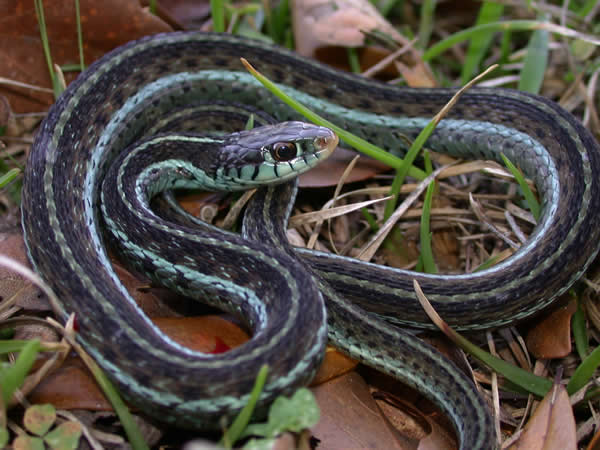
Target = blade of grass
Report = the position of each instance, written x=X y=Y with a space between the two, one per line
x=353 y=59
x=8 y=177
x=479 y=44
x=356 y=142
x=532 y=202
x=80 y=33
x=419 y=141
x=580 y=331
x=425 y=232
x=526 y=380
x=509 y=25
x=584 y=372
x=426 y=23
x=134 y=435
x=13 y=376
x=243 y=418
x=39 y=11
x=535 y=63
x=217 y=9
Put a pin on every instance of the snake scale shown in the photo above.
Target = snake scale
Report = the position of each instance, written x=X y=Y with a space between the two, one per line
x=281 y=291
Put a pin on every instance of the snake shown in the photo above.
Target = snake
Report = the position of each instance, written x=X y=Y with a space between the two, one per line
x=93 y=145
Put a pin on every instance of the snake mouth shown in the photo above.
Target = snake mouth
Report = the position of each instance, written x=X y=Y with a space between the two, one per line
x=325 y=143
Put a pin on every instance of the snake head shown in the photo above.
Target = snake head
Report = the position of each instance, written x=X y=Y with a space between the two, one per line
x=274 y=153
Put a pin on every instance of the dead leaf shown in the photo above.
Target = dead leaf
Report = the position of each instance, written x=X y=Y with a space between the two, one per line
x=552 y=426
x=104 y=28
x=325 y=23
x=146 y=298
x=350 y=417
x=210 y=334
x=551 y=336
x=70 y=387
x=12 y=285
x=335 y=364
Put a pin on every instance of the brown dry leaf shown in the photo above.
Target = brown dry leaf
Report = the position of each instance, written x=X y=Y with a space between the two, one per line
x=350 y=417
x=12 y=285
x=552 y=426
x=334 y=365
x=71 y=387
x=325 y=23
x=105 y=26
x=210 y=334
x=551 y=336
x=151 y=304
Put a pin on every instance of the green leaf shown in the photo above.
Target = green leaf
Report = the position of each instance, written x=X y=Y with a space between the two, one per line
x=288 y=414
x=259 y=444
x=26 y=442
x=39 y=418
x=64 y=437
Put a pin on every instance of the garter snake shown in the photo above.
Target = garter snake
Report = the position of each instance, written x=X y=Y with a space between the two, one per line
x=107 y=108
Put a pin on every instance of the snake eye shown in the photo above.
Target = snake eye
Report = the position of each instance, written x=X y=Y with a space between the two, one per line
x=283 y=151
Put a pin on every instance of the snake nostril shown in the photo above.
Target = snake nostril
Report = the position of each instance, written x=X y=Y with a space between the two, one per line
x=329 y=143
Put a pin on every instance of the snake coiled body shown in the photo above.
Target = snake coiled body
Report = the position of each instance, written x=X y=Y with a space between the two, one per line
x=111 y=104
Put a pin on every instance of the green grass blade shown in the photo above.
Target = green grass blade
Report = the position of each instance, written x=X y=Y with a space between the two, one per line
x=356 y=142
x=426 y=23
x=241 y=421
x=584 y=372
x=134 y=436
x=80 y=34
x=425 y=232
x=580 y=332
x=12 y=377
x=39 y=11
x=488 y=263
x=426 y=255
x=217 y=9
x=8 y=177
x=520 y=377
x=586 y=8
x=535 y=63
x=532 y=202
x=509 y=25
x=479 y=44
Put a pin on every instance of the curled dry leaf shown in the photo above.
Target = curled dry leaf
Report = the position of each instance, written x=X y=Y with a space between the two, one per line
x=350 y=417
x=552 y=426
x=325 y=23
x=551 y=336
